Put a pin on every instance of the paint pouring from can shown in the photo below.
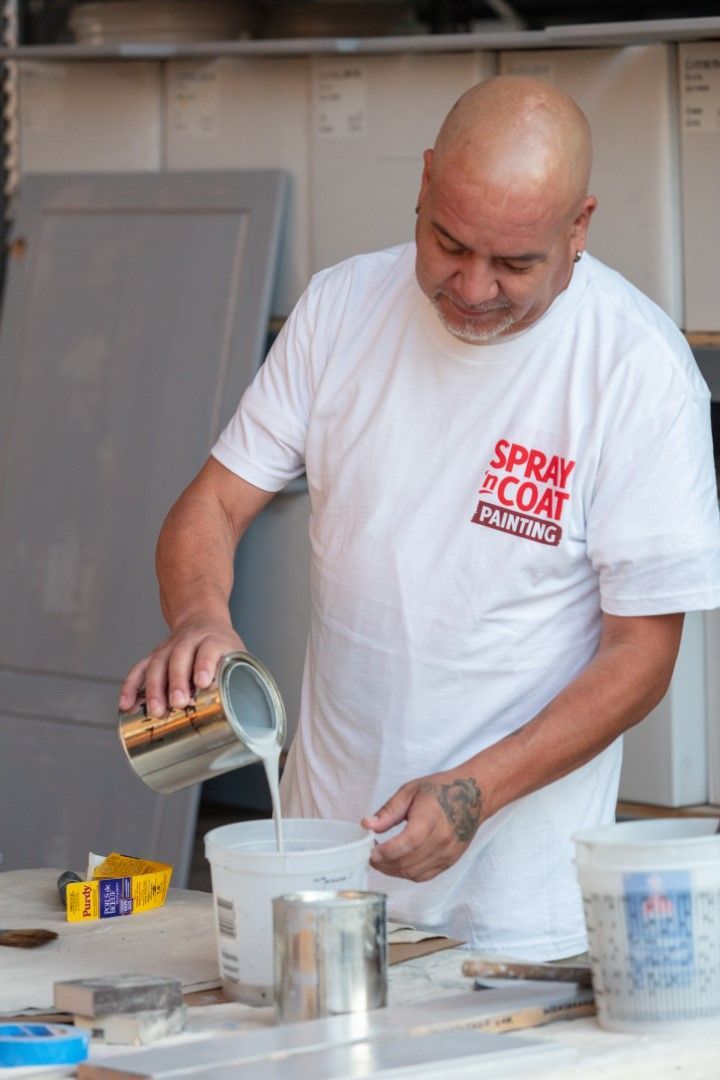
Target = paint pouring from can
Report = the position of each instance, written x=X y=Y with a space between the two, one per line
x=238 y=719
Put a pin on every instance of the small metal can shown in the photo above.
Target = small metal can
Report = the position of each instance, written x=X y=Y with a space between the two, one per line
x=215 y=734
x=330 y=953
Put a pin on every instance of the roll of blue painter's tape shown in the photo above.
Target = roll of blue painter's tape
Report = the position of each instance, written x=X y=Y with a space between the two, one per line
x=42 y=1044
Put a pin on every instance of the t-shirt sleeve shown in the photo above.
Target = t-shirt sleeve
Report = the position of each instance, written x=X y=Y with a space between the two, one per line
x=264 y=442
x=653 y=531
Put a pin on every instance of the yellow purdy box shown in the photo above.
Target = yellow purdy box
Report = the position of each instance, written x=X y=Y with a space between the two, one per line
x=117 y=885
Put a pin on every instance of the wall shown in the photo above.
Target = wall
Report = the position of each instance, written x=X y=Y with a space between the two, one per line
x=351 y=132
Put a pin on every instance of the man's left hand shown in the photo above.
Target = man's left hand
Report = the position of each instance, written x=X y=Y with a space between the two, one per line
x=442 y=811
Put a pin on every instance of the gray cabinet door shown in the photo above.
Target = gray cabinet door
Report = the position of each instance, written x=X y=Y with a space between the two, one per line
x=134 y=315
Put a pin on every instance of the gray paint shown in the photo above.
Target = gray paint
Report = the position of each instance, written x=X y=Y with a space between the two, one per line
x=131 y=325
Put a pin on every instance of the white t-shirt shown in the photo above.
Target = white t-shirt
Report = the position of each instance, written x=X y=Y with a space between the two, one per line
x=473 y=508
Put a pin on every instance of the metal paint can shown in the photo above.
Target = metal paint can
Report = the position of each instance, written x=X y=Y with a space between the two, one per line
x=330 y=953
x=214 y=734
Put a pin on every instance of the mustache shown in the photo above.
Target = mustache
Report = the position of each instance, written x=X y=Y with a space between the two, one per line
x=474 y=309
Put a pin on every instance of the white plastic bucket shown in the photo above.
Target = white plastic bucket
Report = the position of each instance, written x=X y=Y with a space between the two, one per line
x=651 y=893
x=247 y=873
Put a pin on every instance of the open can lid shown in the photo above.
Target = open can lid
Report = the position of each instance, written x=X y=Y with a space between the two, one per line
x=251 y=699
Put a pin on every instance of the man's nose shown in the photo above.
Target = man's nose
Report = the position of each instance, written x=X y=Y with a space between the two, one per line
x=476 y=282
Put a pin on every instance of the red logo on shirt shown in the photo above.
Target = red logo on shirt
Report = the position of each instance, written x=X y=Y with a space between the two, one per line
x=525 y=492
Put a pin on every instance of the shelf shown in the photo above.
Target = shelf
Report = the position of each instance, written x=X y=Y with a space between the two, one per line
x=627 y=809
x=593 y=35
x=708 y=340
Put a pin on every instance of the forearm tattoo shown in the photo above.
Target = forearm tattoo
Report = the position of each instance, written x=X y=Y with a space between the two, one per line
x=461 y=801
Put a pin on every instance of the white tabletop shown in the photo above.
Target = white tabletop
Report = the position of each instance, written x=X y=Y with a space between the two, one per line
x=692 y=1053
x=178 y=940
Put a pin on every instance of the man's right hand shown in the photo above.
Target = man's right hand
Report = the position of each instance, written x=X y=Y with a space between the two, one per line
x=187 y=659
x=194 y=562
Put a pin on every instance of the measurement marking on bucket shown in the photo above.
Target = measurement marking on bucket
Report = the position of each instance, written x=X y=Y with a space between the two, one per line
x=230 y=966
x=226 y=917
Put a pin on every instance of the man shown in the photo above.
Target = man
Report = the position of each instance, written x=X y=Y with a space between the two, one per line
x=508 y=456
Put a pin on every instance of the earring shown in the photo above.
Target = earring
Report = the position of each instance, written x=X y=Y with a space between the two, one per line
x=578 y=256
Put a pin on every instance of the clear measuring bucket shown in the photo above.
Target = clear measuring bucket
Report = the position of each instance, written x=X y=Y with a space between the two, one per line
x=651 y=894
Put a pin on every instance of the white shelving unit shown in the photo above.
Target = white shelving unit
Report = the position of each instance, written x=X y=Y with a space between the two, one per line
x=553 y=37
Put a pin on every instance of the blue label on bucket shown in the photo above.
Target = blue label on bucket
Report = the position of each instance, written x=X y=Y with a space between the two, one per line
x=659 y=919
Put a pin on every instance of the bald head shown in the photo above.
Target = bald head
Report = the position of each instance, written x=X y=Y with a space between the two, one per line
x=519 y=134
x=503 y=209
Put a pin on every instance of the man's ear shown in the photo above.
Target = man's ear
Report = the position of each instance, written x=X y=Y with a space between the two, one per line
x=581 y=223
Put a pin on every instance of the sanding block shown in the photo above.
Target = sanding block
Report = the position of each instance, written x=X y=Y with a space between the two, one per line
x=129 y=1009
x=112 y=994
x=133 y=1029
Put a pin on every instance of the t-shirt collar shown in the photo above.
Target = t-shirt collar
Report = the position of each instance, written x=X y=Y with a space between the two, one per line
x=502 y=348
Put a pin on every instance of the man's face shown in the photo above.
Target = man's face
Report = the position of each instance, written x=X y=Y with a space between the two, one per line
x=492 y=261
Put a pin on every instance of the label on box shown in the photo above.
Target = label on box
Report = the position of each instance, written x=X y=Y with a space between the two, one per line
x=44 y=97
x=700 y=89
x=537 y=66
x=340 y=99
x=194 y=100
x=120 y=886
x=659 y=921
